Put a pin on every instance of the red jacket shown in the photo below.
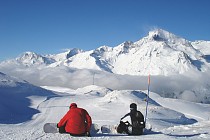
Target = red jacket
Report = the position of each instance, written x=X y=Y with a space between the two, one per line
x=77 y=121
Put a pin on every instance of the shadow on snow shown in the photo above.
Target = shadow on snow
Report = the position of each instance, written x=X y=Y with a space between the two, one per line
x=125 y=135
x=15 y=104
x=185 y=135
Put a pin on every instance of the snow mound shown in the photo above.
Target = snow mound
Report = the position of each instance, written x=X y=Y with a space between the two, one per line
x=94 y=90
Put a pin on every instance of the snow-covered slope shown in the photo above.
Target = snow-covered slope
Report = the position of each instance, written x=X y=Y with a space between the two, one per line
x=203 y=46
x=15 y=103
x=62 y=57
x=169 y=118
x=30 y=59
x=159 y=53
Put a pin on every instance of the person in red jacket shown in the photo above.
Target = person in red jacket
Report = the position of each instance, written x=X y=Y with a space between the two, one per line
x=76 y=122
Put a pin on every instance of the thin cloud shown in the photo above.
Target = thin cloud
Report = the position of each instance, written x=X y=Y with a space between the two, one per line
x=177 y=86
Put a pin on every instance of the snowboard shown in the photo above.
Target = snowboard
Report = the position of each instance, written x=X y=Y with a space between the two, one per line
x=112 y=129
x=109 y=129
x=52 y=128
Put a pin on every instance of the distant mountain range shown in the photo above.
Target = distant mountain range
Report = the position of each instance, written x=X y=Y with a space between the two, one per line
x=159 y=53
x=179 y=68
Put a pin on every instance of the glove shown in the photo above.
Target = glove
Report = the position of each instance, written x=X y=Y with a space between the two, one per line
x=88 y=134
x=57 y=125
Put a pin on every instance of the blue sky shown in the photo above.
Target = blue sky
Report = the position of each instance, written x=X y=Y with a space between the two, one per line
x=51 y=26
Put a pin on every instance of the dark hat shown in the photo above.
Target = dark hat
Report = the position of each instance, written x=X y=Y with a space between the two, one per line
x=133 y=106
x=73 y=104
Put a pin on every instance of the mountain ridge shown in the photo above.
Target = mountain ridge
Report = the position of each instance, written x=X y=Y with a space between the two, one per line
x=159 y=53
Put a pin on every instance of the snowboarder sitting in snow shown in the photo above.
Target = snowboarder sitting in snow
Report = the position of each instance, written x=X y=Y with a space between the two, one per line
x=132 y=123
x=76 y=122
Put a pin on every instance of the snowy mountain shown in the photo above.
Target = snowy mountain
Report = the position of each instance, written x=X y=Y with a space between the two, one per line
x=203 y=46
x=159 y=53
x=31 y=58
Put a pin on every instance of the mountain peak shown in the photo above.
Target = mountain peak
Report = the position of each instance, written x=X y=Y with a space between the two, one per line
x=162 y=35
x=31 y=58
x=73 y=52
x=29 y=55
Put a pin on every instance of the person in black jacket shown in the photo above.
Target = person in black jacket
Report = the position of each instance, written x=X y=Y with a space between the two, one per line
x=132 y=123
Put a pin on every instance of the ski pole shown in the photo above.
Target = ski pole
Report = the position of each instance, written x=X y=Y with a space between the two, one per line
x=147 y=98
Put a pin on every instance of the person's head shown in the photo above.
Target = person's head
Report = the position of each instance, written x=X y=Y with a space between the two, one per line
x=133 y=107
x=73 y=105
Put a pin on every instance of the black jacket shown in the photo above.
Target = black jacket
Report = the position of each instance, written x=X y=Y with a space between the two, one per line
x=137 y=122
